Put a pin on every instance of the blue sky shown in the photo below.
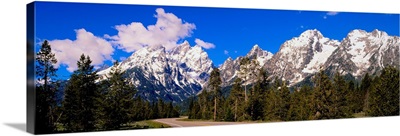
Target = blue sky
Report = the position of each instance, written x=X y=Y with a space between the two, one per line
x=227 y=32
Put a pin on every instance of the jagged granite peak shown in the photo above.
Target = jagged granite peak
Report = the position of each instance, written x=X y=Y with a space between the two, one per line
x=230 y=68
x=305 y=38
x=229 y=59
x=365 y=52
x=181 y=48
x=255 y=50
x=301 y=56
x=362 y=35
x=228 y=64
x=158 y=47
x=257 y=53
x=310 y=33
x=229 y=71
x=378 y=33
x=356 y=33
x=198 y=64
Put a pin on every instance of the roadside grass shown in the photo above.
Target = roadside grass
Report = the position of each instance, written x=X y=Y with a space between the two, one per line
x=359 y=115
x=185 y=118
x=145 y=124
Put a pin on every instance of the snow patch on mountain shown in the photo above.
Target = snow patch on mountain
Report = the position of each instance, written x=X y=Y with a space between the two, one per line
x=320 y=58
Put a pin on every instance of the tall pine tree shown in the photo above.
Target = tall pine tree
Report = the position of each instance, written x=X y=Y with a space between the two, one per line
x=80 y=93
x=236 y=98
x=284 y=101
x=272 y=102
x=256 y=104
x=205 y=101
x=45 y=93
x=118 y=99
x=215 y=85
x=323 y=96
x=340 y=102
x=364 y=91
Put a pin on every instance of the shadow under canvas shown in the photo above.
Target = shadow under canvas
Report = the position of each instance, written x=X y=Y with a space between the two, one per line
x=18 y=126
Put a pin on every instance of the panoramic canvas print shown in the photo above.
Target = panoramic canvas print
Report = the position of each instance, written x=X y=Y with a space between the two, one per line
x=100 y=67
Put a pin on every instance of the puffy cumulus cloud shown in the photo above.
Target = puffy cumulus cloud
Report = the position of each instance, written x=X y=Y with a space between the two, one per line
x=205 y=45
x=167 y=31
x=68 y=52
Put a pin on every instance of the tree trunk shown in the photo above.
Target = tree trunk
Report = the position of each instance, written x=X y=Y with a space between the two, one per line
x=245 y=93
x=45 y=79
x=366 y=103
x=252 y=109
x=59 y=116
x=215 y=108
x=236 y=109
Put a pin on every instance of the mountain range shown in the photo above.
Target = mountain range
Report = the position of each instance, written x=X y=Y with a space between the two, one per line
x=177 y=74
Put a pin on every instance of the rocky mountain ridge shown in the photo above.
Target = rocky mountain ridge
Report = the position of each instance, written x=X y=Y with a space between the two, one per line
x=177 y=74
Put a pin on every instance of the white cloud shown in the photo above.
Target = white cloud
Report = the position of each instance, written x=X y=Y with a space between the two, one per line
x=68 y=52
x=205 y=45
x=122 y=58
x=332 y=13
x=226 y=52
x=167 y=31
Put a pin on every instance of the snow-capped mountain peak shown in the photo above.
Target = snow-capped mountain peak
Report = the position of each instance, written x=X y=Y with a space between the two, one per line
x=378 y=33
x=310 y=33
x=256 y=50
x=307 y=38
x=301 y=56
x=366 y=52
x=230 y=68
x=184 y=47
x=257 y=53
x=357 y=32
x=229 y=59
x=170 y=75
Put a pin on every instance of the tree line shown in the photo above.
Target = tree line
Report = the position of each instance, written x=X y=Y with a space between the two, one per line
x=89 y=104
x=266 y=100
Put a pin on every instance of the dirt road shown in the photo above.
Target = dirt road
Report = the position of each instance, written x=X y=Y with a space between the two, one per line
x=173 y=122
